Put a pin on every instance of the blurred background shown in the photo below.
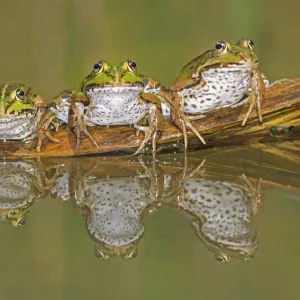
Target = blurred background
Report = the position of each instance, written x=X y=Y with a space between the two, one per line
x=52 y=45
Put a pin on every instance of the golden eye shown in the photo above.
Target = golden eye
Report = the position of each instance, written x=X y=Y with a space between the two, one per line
x=131 y=66
x=221 y=47
x=131 y=255
x=222 y=258
x=20 y=94
x=98 y=67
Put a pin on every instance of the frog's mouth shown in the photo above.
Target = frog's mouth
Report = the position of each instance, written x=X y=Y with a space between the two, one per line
x=26 y=111
x=8 y=117
x=242 y=65
x=116 y=88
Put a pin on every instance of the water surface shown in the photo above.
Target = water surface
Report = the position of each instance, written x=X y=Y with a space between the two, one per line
x=123 y=227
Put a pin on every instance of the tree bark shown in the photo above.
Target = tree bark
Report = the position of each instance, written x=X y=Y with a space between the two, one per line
x=281 y=120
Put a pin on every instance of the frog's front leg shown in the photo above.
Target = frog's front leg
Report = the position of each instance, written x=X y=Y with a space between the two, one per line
x=178 y=116
x=155 y=122
x=76 y=119
x=256 y=95
x=256 y=192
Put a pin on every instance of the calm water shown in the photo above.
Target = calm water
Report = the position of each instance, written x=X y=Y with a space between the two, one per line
x=138 y=229
x=165 y=224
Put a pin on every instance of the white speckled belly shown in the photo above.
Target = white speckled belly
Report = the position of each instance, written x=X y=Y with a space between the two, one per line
x=117 y=205
x=115 y=106
x=16 y=185
x=224 y=87
x=17 y=128
x=225 y=207
x=62 y=112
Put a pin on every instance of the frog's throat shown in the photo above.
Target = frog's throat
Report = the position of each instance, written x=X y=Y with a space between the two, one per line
x=119 y=240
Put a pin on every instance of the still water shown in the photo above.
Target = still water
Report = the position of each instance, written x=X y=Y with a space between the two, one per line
x=221 y=223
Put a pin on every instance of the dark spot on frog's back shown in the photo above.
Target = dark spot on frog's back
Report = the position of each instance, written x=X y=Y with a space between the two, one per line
x=158 y=85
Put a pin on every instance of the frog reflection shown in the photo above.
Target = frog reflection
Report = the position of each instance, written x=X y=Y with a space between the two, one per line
x=221 y=212
x=113 y=208
x=21 y=184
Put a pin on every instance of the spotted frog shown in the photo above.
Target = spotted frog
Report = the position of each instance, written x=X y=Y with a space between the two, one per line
x=221 y=212
x=113 y=208
x=22 y=114
x=218 y=78
x=22 y=183
x=113 y=95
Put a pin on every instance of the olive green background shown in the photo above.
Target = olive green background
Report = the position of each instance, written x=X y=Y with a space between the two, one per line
x=52 y=45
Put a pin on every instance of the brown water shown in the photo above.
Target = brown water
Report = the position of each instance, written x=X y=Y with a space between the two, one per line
x=52 y=45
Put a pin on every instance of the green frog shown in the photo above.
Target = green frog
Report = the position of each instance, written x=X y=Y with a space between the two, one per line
x=221 y=211
x=113 y=95
x=112 y=206
x=22 y=114
x=220 y=77
x=22 y=183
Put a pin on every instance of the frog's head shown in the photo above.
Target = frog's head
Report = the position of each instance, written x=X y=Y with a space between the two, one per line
x=240 y=246
x=104 y=251
x=226 y=54
x=18 y=99
x=17 y=216
x=113 y=77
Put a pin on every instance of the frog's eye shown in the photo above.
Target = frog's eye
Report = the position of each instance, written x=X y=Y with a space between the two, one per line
x=131 y=66
x=20 y=95
x=131 y=255
x=22 y=223
x=98 y=67
x=221 y=47
x=222 y=258
x=251 y=44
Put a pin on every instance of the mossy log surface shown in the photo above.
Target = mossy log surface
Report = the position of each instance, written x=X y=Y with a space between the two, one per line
x=281 y=115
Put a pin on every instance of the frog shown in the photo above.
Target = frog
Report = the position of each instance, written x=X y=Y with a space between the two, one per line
x=220 y=210
x=23 y=115
x=225 y=76
x=22 y=183
x=113 y=206
x=112 y=96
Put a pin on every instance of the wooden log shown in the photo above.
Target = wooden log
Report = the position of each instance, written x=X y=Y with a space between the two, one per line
x=281 y=121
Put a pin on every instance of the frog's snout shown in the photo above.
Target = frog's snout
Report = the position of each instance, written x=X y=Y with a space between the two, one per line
x=115 y=74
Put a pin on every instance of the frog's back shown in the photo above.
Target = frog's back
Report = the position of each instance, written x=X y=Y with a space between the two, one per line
x=190 y=68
